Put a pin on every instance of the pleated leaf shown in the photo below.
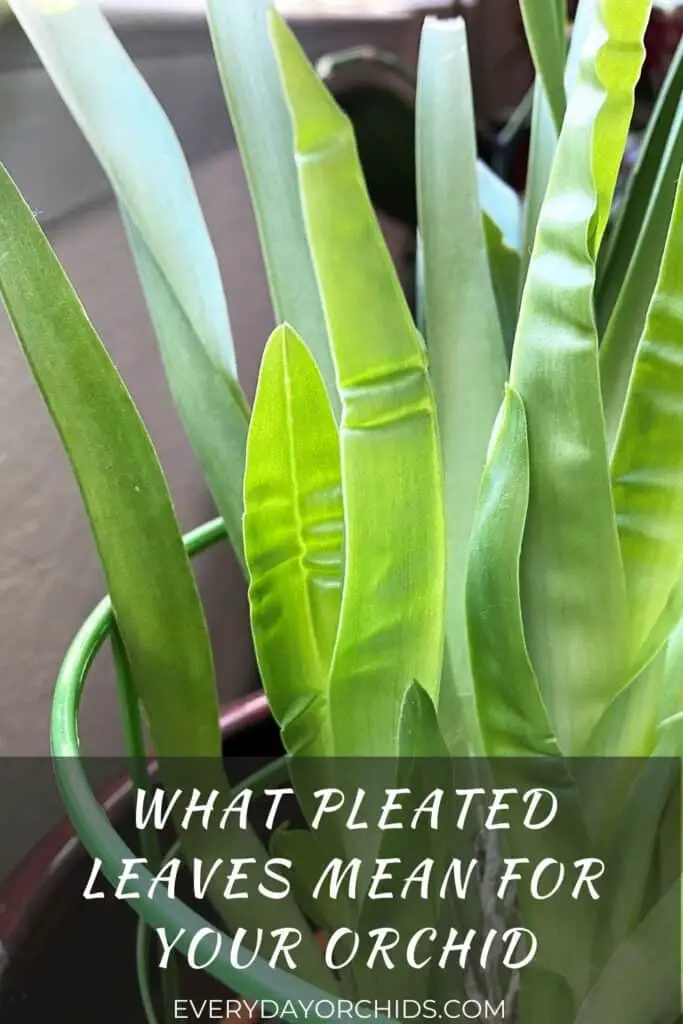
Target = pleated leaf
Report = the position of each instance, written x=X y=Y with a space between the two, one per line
x=140 y=154
x=293 y=528
x=260 y=119
x=466 y=353
x=544 y=24
x=512 y=716
x=573 y=590
x=391 y=618
x=647 y=467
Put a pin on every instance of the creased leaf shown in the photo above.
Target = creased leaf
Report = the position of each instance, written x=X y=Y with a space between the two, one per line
x=251 y=82
x=293 y=532
x=466 y=353
x=512 y=716
x=140 y=154
x=573 y=591
x=647 y=466
x=391 y=619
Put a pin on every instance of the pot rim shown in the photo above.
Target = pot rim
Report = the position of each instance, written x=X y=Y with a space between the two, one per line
x=33 y=882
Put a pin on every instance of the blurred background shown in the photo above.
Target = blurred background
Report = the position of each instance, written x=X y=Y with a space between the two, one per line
x=366 y=49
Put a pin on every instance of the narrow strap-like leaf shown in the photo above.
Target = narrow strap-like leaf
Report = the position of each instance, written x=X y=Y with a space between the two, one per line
x=512 y=716
x=617 y=252
x=542 y=145
x=260 y=119
x=573 y=592
x=293 y=527
x=505 y=267
x=153 y=592
x=544 y=133
x=544 y=23
x=647 y=466
x=140 y=154
x=642 y=980
x=627 y=317
x=501 y=204
x=466 y=352
x=154 y=596
x=391 y=619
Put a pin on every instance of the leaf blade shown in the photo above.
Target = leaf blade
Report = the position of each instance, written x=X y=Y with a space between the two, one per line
x=132 y=137
x=466 y=352
x=293 y=528
x=253 y=92
x=513 y=719
x=647 y=475
x=571 y=535
x=544 y=24
x=388 y=430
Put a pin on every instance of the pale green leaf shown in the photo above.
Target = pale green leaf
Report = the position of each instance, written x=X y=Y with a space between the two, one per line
x=140 y=154
x=512 y=716
x=573 y=589
x=293 y=531
x=544 y=24
x=647 y=466
x=260 y=119
x=466 y=353
x=391 y=619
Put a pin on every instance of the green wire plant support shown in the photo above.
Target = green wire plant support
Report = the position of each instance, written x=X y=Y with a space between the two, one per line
x=259 y=981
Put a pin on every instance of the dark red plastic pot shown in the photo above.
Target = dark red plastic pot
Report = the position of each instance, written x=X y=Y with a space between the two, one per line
x=63 y=959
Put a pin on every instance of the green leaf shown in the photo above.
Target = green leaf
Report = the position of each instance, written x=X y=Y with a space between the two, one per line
x=154 y=596
x=573 y=590
x=542 y=145
x=502 y=219
x=466 y=353
x=544 y=134
x=512 y=716
x=544 y=24
x=627 y=317
x=505 y=266
x=647 y=468
x=500 y=204
x=293 y=530
x=642 y=980
x=626 y=883
x=140 y=154
x=153 y=592
x=618 y=250
x=391 y=618
x=260 y=119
